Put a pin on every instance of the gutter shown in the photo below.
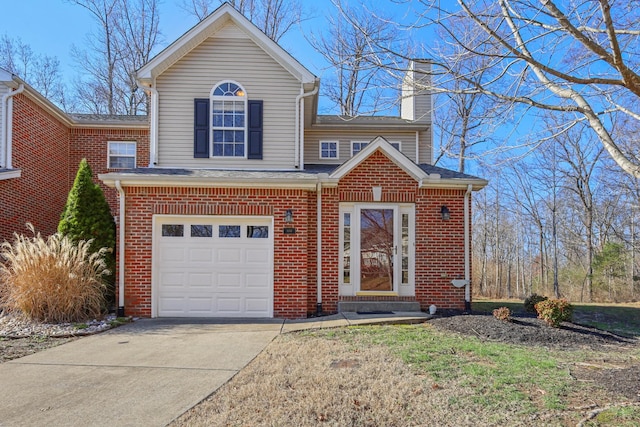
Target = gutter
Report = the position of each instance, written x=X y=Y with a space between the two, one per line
x=299 y=128
x=6 y=124
x=121 y=250
x=153 y=125
x=467 y=250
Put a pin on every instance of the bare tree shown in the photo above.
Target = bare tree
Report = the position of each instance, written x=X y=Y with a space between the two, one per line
x=99 y=61
x=40 y=71
x=126 y=37
x=349 y=45
x=274 y=17
x=138 y=36
x=576 y=58
x=463 y=117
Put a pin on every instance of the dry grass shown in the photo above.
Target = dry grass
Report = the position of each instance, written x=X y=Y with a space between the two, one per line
x=410 y=376
x=311 y=381
x=51 y=280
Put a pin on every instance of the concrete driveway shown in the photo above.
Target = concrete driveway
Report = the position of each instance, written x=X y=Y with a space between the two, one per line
x=145 y=373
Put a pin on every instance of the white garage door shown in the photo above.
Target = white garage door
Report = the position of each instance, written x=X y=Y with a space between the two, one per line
x=213 y=266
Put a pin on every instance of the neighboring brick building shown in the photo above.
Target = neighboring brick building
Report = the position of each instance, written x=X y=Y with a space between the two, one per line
x=239 y=200
x=46 y=146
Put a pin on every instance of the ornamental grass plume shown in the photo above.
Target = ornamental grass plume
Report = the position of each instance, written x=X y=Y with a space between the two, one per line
x=51 y=280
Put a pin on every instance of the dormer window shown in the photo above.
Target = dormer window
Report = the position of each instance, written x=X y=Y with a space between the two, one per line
x=229 y=124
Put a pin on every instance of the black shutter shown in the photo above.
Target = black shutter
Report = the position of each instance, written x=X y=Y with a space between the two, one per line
x=254 y=150
x=201 y=127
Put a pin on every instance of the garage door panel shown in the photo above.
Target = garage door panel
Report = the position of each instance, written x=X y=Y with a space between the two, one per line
x=200 y=305
x=230 y=281
x=172 y=305
x=174 y=253
x=256 y=281
x=229 y=255
x=200 y=280
x=257 y=305
x=169 y=280
x=229 y=305
x=204 y=255
x=260 y=255
x=213 y=273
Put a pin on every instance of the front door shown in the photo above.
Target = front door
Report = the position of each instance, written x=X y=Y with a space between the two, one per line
x=377 y=245
x=377 y=250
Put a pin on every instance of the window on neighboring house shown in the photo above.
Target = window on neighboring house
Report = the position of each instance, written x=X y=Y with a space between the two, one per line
x=229 y=124
x=357 y=146
x=328 y=149
x=122 y=154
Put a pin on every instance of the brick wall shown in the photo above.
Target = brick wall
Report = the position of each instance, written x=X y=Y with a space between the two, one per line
x=41 y=151
x=91 y=143
x=439 y=244
x=48 y=153
x=290 y=250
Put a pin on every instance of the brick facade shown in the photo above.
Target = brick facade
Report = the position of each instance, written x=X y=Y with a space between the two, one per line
x=439 y=244
x=48 y=152
x=41 y=152
x=91 y=143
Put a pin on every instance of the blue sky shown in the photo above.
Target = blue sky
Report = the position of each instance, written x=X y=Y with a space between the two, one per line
x=51 y=27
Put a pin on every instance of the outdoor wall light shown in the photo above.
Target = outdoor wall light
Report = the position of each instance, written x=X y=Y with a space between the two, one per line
x=444 y=211
x=288 y=215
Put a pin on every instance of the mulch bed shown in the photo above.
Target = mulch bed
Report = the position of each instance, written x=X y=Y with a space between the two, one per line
x=616 y=378
x=531 y=331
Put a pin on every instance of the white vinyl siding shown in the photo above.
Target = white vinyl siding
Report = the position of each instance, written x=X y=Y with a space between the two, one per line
x=312 y=140
x=426 y=148
x=215 y=60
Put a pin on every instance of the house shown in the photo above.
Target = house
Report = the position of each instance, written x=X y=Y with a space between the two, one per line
x=41 y=148
x=254 y=205
x=238 y=199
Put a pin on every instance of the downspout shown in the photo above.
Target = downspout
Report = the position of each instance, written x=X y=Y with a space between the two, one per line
x=121 y=251
x=153 y=125
x=299 y=128
x=319 y=247
x=6 y=117
x=467 y=250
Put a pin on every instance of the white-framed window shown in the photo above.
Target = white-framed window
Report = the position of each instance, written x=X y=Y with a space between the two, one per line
x=229 y=120
x=358 y=146
x=328 y=149
x=396 y=144
x=121 y=154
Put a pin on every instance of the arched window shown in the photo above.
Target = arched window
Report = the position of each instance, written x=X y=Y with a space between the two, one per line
x=229 y=120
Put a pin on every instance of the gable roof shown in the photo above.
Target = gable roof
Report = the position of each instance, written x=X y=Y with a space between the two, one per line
x=208 y=27
x=379 y=143
x=427 y=176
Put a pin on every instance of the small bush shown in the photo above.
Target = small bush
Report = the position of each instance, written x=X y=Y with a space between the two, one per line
x=555 y=311
x=51 y=280
x=530 y=302
x=502 y=313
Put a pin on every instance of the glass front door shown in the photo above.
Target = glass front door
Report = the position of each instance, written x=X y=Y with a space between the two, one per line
x=377 y=249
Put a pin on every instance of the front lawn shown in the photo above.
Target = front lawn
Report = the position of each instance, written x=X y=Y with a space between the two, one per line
x=431 y=375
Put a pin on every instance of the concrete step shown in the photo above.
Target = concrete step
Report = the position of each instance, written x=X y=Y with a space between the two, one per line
x=377 y=306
